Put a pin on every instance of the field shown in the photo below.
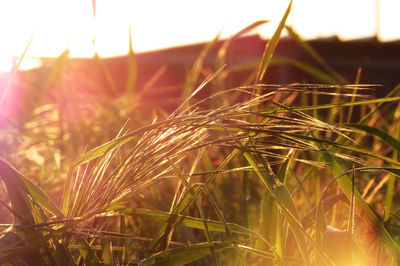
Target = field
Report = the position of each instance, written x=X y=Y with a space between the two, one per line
x=260 y=174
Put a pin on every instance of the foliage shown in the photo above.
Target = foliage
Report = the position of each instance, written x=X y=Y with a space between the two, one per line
x=259 y=175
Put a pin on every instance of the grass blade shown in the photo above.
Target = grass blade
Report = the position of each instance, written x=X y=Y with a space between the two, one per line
x=337 y=105
x=15 y=181
x=395 y=143
x=307 y=68
x=311 y=51
x=194 y=75
x=271 y=45
x=91 y=155
x=187 y=221
x=184 y=255
x=362 y=207
x=132 y=66
x=88 y=254
x=391 y=184
x=284 y=200
x=14 y=71
x=107 y=254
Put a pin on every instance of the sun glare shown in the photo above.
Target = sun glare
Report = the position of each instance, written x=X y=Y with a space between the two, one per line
x=61 y=24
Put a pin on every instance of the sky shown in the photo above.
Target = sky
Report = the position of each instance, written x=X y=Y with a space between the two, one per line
x=58 y=24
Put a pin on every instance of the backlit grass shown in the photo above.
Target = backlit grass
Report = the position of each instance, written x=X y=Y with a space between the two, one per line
x=255 y=175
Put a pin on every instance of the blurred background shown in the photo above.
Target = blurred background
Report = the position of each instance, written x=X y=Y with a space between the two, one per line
x=113 y=45
x=159 y=24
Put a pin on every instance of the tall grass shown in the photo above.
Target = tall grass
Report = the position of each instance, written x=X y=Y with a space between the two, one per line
x=254 y=175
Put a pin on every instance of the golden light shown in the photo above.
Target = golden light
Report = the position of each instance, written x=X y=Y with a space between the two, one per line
x=158 y=24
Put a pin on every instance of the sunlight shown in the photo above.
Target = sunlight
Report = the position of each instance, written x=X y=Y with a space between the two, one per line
x=61 y=24
x=346 y=19
x=389 y=29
